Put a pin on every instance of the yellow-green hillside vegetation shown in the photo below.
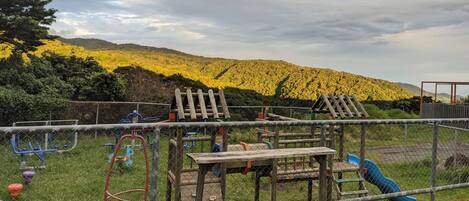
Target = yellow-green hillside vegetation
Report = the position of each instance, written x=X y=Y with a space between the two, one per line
x=267 y=77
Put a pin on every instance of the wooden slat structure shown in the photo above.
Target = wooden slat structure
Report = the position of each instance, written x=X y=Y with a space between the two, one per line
x=195 y=106
x=199 y=105
x=303 y=168
x=340 y=107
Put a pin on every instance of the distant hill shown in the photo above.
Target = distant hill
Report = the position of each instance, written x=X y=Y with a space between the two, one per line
x=98 y=44
x=444 y=97
x=275 y=78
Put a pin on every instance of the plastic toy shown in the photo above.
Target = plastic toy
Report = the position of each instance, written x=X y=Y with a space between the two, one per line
x=133 y=117
x=108 y=195
x=28 y=176
x=15 y=189
x=376 y=177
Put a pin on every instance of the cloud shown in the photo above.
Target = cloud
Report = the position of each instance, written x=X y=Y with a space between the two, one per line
x=381 y=38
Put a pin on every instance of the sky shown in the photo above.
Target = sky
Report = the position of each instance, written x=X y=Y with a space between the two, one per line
x=396 y=40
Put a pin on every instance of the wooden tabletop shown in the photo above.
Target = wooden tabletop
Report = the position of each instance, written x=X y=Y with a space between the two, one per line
x=243 y=156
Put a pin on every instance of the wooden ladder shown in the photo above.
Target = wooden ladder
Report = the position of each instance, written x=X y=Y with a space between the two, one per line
x=362 y=191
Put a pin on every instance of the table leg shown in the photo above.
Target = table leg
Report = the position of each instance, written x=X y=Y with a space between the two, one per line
x=274 y=181
x=201 y=182
x=322 y=160
x=310 y=189
x=258 y=185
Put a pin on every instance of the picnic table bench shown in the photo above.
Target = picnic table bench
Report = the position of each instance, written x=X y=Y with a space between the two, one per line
x=206 y=160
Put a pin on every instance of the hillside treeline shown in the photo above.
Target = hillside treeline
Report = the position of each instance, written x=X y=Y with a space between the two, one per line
x=39 y=87
x=267 y=77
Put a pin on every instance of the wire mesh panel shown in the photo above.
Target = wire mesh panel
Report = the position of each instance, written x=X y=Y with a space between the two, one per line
x=400 y=156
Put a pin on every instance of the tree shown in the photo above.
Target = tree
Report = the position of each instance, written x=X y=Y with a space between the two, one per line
x=23 y=23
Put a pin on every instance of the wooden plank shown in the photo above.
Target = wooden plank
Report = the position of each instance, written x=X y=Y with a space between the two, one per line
x=337 y=106
x=191 y=104
x=242 y=156
x=329 y=106
x=345 y=106
x=224 y=106
x=213 y=104
x=352 y=105
x=203 y=108
x=179 y=105
x=360 y=106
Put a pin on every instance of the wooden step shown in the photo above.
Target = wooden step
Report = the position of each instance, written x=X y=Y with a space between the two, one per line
x=301 y=141
x=349 y=193
x=349 y=180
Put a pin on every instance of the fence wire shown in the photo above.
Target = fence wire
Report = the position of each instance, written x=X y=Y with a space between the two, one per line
x=400 y=150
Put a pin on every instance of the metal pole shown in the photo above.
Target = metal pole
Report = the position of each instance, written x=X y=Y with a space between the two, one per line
x=455 y=145
x=362 y=149
x=421 y=98
x=434 y=160
x=406 y=133
x=97 y=121
x=155 y=147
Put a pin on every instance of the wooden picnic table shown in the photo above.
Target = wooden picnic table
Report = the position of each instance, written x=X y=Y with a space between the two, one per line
x=206 y=160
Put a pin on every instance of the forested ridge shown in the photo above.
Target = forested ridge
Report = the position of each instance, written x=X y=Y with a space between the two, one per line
x=267 y=77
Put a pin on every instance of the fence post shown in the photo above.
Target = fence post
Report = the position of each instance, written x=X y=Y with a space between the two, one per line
x=406 y=134
x=434 y=160
x=362 y=149
x=455 y=145
x=97 y=121
x=155 y=147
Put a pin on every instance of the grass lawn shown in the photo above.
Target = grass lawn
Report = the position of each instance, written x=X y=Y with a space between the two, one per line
x=80 y=174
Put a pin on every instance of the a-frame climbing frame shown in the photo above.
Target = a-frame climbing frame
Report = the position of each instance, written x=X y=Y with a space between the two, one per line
x=340 y=107
x=199 y=105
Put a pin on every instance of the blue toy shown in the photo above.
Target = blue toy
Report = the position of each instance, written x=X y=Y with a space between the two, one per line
x=376 y=177
x=123 y=162
x=29 y=150
x=133 y=117
x=39 y=144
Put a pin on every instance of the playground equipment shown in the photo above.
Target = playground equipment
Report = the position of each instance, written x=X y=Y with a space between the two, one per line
x=304 y=169
x=40 y=144
x=123 y=161
x=115 y=159
x=195 y=106
x=375 y=176
x=15 y=190
x=260 y=167
x=339 y=106
x=133 y=117
x=205 y=161
x=28 y=176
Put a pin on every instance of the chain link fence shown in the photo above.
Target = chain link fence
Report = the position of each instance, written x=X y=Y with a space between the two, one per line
x=414 y=157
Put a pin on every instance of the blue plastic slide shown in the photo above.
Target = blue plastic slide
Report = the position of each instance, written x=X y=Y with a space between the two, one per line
x=375 y=177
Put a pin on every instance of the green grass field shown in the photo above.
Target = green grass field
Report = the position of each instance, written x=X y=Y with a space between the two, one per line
x=80 y=174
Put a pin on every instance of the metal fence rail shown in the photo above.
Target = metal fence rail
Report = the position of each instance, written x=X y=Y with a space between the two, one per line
x=423 y=156
x=234 y=124
x=99 y=112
